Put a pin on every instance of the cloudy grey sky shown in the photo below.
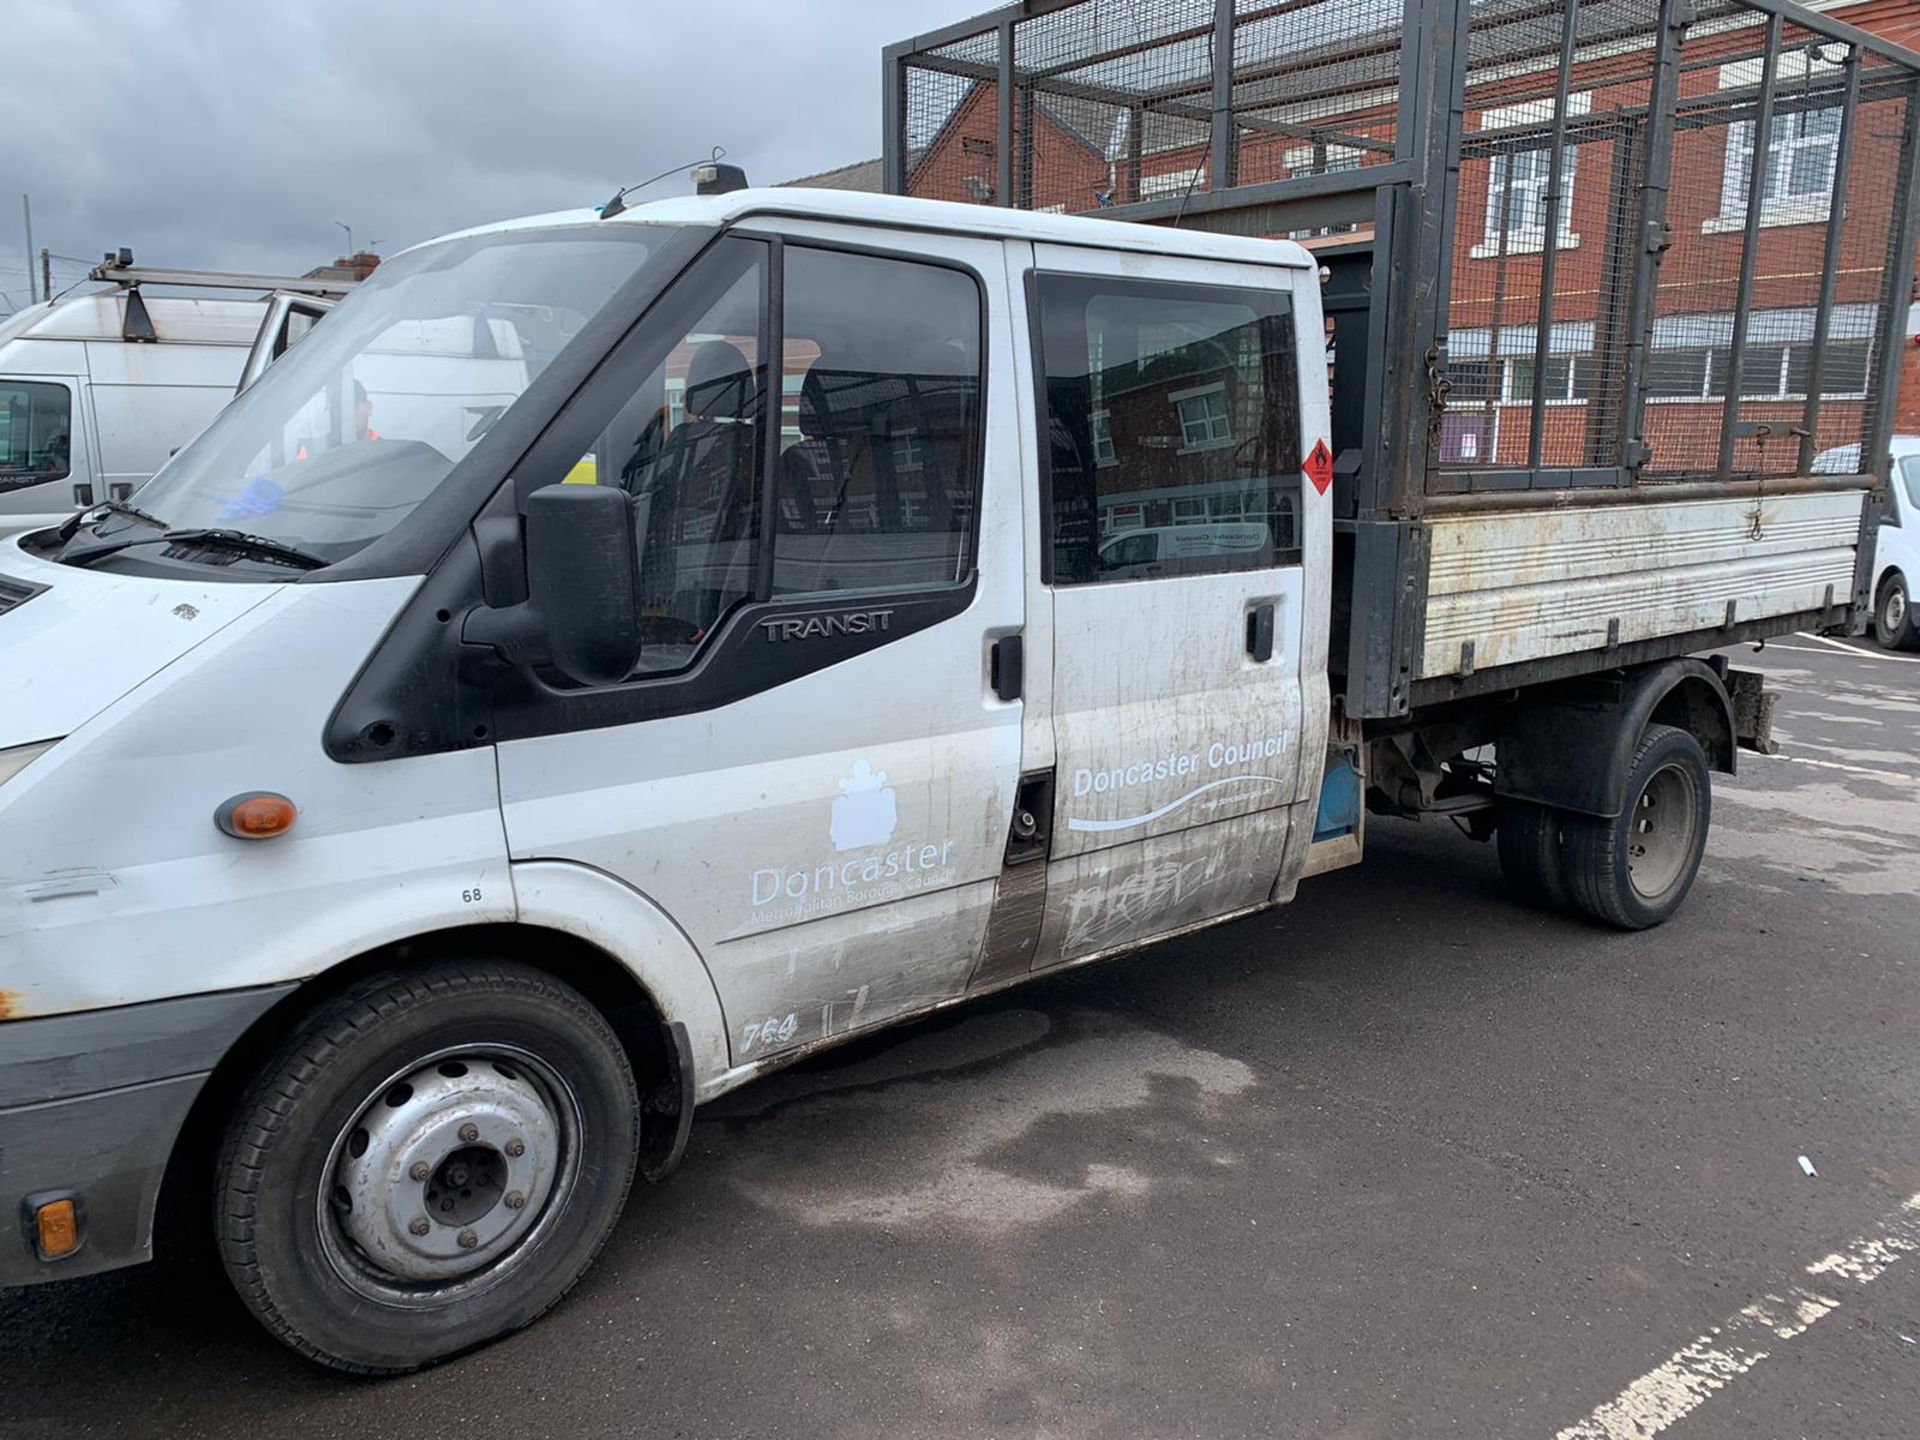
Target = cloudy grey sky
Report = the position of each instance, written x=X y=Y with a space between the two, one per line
x=233 y=133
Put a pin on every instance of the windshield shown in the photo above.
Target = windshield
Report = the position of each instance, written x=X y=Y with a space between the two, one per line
x=340 y=440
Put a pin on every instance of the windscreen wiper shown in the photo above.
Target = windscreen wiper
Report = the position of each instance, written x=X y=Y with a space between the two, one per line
x=238 y=542
x=93 y=514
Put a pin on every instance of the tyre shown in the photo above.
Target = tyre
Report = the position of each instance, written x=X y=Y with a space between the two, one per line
x=1634 y=869
x=1893 y=617
x=1528 y=840
x=429 y=1162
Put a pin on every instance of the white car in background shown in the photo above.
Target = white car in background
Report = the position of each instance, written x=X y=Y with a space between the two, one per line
x=1896 y=555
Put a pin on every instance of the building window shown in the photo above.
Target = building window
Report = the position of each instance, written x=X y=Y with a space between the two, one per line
x=1517 y=180
x=1568 y=377
x=1173 y=182
x=907 y=456
x=1204 y=422
x=1103 y=455
x=1797 y=178
x=1803 y=150
x=1767 y=372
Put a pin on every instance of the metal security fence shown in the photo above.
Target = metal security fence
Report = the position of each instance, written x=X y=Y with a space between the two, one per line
x=1571 y=243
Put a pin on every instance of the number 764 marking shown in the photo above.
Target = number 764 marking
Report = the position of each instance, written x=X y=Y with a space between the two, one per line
x=770 y=1032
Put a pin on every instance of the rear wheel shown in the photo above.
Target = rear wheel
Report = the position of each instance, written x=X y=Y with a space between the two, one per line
x=1893 y=618
x=1635 y=869
x=429 y=1162
x=1528 y=839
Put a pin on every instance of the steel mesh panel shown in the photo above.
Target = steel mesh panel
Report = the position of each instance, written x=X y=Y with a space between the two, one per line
x=1117 y=100
x=1316 y=86
x=1513 y=225
x=951 y=118
x=1692 y=367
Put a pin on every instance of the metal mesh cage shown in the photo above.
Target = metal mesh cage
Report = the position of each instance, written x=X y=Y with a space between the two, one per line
x=1670 y=251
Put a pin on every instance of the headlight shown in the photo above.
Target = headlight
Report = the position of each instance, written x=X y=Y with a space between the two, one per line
x=13 y=761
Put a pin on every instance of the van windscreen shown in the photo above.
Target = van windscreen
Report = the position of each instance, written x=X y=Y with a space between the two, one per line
x=345 y=436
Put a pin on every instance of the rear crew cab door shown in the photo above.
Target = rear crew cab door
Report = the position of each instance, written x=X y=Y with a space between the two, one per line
x=811 y=773
x=1188 y=695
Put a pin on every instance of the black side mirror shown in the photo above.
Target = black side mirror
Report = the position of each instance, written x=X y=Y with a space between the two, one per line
x=582 y=610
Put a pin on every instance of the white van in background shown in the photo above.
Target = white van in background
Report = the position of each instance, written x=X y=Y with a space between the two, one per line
x=97 y=390
x=1896 y=547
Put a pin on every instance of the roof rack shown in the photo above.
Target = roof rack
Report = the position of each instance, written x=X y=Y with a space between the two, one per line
x=117 y=268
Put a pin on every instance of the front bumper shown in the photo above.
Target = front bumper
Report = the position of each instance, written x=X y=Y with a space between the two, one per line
x=91 y=1104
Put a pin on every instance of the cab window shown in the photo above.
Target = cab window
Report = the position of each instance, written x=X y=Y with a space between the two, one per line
x=36 y=433
x=1168 y=406
x=880 y=447
x=872 y=482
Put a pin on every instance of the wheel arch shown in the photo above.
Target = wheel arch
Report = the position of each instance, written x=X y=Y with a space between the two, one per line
x=1601 y=724
x=662 y=1042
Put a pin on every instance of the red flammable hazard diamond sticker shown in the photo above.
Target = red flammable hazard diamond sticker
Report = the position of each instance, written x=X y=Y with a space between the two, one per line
x=1319 y=466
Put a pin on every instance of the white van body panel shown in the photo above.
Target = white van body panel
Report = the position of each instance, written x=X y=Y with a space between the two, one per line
x=134 y=404
x=131 y=893
x=128 y=627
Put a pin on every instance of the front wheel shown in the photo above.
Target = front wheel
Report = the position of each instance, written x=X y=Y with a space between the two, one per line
x=1893 y=618
x=429 y=1162
x=1635 y=869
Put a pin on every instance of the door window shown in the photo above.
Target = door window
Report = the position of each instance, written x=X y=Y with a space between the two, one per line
x=1169 y=405
x=690 y=447
x=880 y=466
x=36 y=433
x=876 y=483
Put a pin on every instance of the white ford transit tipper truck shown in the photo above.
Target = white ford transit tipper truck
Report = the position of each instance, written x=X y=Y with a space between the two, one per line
x=406 y=822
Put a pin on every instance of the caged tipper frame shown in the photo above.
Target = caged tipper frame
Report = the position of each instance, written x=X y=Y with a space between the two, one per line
x=1603 y=281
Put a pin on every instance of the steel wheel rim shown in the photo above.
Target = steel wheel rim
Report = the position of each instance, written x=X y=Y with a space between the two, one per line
x=469 y=1246
x=1664 y=821
x=1895 y=614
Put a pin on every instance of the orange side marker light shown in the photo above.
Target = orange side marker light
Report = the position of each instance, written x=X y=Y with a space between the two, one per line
x=56 y=1229
x=256 y=815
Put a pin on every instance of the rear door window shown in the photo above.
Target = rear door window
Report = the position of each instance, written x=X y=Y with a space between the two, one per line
x=1169 y=405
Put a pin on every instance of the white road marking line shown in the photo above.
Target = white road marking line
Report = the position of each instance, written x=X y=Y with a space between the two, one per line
x=1857 y=653
x=1899 y=775
x=1694 y=1373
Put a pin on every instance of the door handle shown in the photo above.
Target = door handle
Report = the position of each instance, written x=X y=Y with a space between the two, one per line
x=1260 y=632
x=1007 y=667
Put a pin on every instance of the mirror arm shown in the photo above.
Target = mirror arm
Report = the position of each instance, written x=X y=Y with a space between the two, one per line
x=516 y=632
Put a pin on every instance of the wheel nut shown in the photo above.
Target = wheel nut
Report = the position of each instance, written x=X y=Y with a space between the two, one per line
x=515 y=1200
x=421 y=1170
x=469 y=1133
x=516 y=1148
x=420 y=1225
x=468 y=1239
